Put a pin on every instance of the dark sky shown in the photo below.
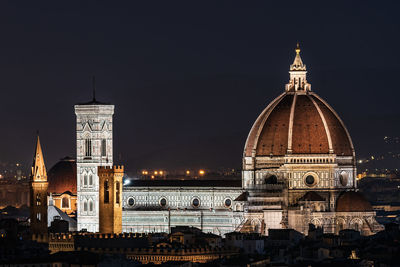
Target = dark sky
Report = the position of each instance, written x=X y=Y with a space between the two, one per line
x=189 y=78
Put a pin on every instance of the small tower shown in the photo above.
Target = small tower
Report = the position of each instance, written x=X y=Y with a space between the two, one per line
x=110 y=196
x=38 y=196
x=298 y=74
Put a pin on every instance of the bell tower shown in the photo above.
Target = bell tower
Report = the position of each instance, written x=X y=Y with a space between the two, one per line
x=38 y=196
x=110 y=195
x=94 y=148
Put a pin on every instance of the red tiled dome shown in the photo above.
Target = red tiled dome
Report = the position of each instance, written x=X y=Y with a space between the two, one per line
x=352 y=202
x=62 y=176
x=314 y=126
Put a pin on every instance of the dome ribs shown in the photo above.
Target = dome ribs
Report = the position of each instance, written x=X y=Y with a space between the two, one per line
x=274 y=135
x=313 y=128
x=252 y=137
x=341 y=142
x=309 y=135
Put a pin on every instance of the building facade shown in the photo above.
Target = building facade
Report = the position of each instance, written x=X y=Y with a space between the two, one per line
x=94 y=143
x=298 y=168
x=299 y=165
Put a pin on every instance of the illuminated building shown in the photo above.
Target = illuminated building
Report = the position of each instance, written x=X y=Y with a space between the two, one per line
x=93 y=149
x=62 y=185
x=298 y=168
x=38 y=196
x=299 y=165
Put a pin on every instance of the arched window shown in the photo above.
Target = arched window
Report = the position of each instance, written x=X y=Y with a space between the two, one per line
x=90 y=205
x=103 y=147
x=271 y=180
x=38 y=217
x=340 y=226
x=85 y=181
x=106 y=192
x=117 y=192
x=38 y=202
x=65 y=203
x=90 y=179
x=85 y=206
x=88 y=147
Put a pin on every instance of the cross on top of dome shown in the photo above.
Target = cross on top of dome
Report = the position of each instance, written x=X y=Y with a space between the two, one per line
x=298 y=75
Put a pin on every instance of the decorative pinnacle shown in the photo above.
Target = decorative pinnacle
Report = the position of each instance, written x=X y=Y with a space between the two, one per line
x=297 y=48
x=298 y=71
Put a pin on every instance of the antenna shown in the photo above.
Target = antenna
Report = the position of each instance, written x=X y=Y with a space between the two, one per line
x=94 y=88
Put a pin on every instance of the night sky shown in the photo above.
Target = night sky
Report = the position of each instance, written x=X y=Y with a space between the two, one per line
x=189 y=78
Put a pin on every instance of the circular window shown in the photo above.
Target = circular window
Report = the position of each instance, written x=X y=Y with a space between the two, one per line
x=228 y=202
x=163 y=202
x=131 y=201
x=196 y=202
x=343 y=178
x=310 y=180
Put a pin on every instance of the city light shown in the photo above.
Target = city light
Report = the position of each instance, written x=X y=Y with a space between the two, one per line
x=187 y=172
x=202 y=172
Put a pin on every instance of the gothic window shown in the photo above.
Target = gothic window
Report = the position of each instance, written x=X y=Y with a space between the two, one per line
x=38 y=202
x=90 y=179
x=106 y=192
x=38 y=217
x=85 y=206
x=65 y=203
x=117 y=192
x=90 y=206
x=103 y=147
x=88 y=147
x=85 y=180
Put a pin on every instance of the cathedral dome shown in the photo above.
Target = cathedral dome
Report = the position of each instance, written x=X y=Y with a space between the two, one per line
x=352 y=202
x=298 y=122
x=62 y=176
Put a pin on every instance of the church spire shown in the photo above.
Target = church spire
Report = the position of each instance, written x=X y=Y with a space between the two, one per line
x=298 y=74
x=38 y=172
